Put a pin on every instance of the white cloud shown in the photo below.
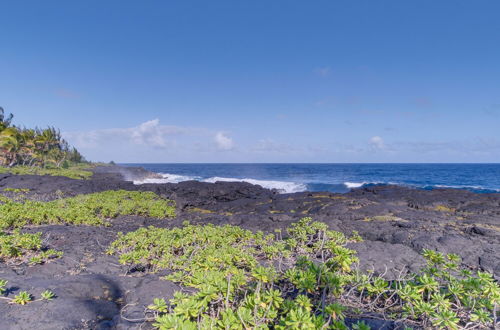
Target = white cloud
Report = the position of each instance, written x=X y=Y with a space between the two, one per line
x=154 y=134
x=377 y=142
x=152 y=141
x=150 y=133
x=223 y=142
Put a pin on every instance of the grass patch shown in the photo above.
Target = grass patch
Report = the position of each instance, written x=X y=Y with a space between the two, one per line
x=81 y=171
x=205 y=211
x=200 y=210
x=14 y=194
x=17 y=190
x=249 y=280
x=90 y=209
x=444 y=208
x=17 y=247
x=384 y=218
x=329 y=196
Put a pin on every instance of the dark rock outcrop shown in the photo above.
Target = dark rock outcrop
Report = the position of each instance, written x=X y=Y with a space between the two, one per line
x=396 y=223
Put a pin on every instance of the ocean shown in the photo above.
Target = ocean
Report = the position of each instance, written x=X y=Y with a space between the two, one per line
x=289 y=178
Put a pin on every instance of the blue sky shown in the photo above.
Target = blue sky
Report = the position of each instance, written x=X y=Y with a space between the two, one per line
x=258 y=81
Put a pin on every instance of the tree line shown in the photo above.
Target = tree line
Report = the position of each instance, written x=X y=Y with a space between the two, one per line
x=34 y=146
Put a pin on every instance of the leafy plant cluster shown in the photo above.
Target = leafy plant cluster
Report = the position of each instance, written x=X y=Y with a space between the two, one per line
x=73 y=171
x=17 y=190
x=457 y=296
x=442 y=295
x=23 y=247
x=23 y=297
x=14 y=194
x=34 y=146
x=90 y=209
x=243 y=280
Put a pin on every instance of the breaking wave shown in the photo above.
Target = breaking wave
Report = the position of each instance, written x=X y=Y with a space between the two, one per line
x=281 y=186
x=286 y=187
x=354 y=184
x=167 y=178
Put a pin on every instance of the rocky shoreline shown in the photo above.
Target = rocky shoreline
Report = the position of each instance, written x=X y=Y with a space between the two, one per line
x=95 y=292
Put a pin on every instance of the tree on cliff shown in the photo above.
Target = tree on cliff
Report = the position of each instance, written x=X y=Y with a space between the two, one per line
x=33 y=147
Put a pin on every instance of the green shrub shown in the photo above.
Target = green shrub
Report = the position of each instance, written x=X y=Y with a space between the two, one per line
x=237 y=273
x=250 y=280
x=91 y=209
x=77 y=171
x=18 y=247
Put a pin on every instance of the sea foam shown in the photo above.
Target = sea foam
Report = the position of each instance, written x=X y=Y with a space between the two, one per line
x=354 y=184
x=281 y=186
x=167 y=178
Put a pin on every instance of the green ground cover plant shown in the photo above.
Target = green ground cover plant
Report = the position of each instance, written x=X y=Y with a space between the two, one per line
x=14 y=194
x=17 y=247
x=243 y=280
x=90 y=209
x=23 y=297
x=75 y=171
x=17 y=190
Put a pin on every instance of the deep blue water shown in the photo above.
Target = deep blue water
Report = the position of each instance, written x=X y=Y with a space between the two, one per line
x=483 y=178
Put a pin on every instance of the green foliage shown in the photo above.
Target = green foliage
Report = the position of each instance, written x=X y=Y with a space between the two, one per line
x=226 y=249
x=444 y=296
x=48 y=295
x=91 y=209
x=17 y=190
x=249 y=280
x=76 y=171
x=34 y=147
x=23 y=297
x=361 y=325
x=440 y=296
x=4 y=119
x=3 y=284
x=240 y=276
x=20 y=247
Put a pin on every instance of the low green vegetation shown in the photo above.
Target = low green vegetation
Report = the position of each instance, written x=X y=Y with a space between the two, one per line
x=383 y=218
x=17 y=247
x=90 y=209
x=14 y=194
x=17 y=190
x=444 y=208
x=76 y=171
x=244 y=280
x=23 y=297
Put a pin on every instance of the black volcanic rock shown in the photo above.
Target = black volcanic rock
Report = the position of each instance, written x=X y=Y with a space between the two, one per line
x=396 y=223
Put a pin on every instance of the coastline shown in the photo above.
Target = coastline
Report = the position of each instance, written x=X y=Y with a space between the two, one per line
x=395 y=222
x=334 y=177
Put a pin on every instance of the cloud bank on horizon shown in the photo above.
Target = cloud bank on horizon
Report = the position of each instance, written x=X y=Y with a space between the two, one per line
x=259 y=81
x=152 y=141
